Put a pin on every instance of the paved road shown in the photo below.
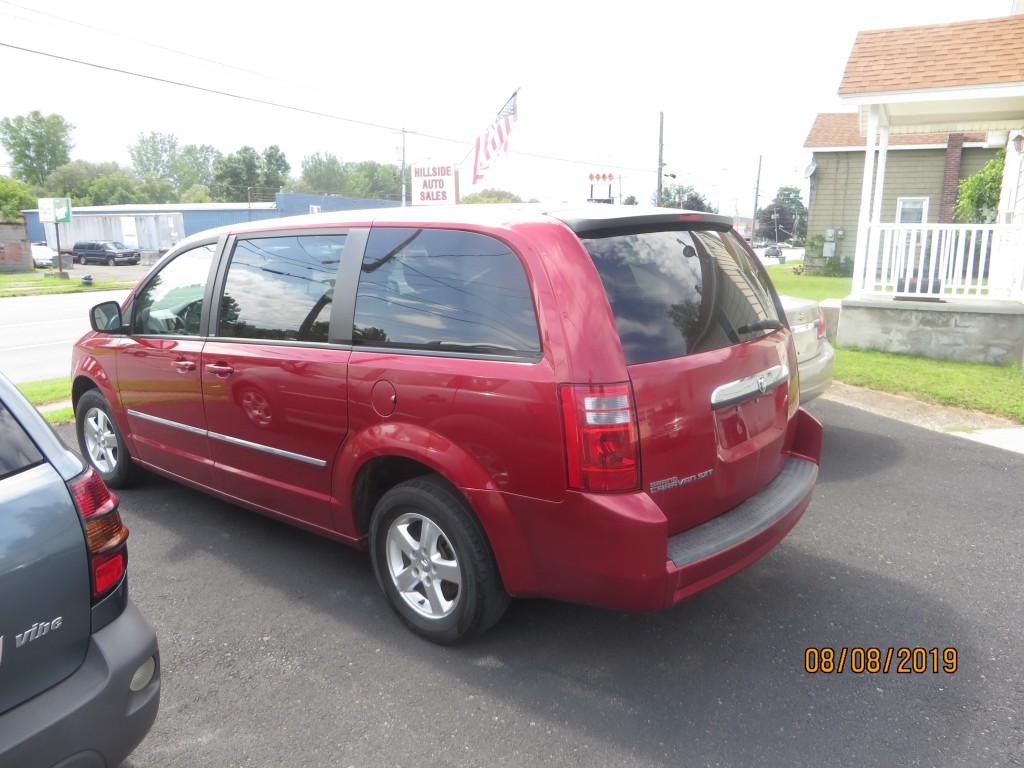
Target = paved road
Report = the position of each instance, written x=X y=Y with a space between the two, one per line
x=38 y=332
x=278 y=650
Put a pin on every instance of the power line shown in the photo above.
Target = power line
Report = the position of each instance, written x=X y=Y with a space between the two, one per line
x=302 y=110
x=191 y=86
x=152 y=45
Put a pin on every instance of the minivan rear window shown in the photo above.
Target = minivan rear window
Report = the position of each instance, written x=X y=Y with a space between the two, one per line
x=682 y=292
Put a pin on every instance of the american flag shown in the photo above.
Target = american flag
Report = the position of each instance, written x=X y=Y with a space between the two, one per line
x=494 y=140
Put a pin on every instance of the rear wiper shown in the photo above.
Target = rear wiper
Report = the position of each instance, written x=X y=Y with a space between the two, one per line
x=760 y=325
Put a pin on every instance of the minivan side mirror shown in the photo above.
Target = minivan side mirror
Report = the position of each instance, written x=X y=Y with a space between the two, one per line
x=106 y=317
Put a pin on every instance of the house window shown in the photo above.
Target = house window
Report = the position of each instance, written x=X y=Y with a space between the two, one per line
x=912 y=210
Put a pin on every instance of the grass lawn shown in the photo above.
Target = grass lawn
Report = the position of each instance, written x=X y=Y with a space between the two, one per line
x=973 y=386
x=46 y=393
x=817 y=287
x=44 y=281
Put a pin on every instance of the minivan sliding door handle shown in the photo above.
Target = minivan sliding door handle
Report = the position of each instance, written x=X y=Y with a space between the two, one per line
x=222 y=370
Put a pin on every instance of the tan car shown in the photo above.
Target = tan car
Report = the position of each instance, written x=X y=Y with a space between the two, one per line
x=815 y=356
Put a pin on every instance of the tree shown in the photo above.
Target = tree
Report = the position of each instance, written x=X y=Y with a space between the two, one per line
x=75 y=180
x=275 y=168
x=166 y=173
x=631 y=200
x=155 y=189
x=977 y=196
x=153 y=156
x=194 y=166
x=197 y=193
x=321 y=174
x=247 y=175
x=372 y=180
x=36 y=145
x=114 y=189
x=15 y=196
x=236 y=175
x=774 y=222
x=789 y=197
x=683 y=196
x=791 y=219
x=491 y=196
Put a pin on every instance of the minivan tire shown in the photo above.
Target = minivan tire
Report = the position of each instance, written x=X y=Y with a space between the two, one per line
x=101 y=442
x=433 y=562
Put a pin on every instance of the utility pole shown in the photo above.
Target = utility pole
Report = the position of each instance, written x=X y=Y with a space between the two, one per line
x=757 y=191
x=661 y=147
x=403 y=167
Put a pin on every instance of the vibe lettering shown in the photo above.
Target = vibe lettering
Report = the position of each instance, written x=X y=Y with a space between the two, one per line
x=36 y=631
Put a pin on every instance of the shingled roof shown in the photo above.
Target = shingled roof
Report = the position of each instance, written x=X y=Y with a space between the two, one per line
x=970 y=53
x=841 y=129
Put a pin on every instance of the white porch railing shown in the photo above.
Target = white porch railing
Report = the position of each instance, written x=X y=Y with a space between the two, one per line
x=944 y=262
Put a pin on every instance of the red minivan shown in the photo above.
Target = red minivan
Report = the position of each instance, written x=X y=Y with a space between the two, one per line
x=596 y=404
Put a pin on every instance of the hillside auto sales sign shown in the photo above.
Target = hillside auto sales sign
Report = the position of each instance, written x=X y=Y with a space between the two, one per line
x=433 y=184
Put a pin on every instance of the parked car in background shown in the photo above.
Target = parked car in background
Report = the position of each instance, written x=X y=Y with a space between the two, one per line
x=43 y=255
x=773 y=251
x=591 y=404
x=814 y=353
x=79 y=665
x=109 y=252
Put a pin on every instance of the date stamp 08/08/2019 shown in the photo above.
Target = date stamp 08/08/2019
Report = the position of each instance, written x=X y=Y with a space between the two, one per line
x=871 y=660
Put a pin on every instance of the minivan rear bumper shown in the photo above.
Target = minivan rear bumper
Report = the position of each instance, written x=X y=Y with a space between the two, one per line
x=91 y=718
x=614 y=551
x=704 y=555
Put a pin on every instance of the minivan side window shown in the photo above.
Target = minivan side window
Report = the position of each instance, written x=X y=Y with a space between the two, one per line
x=171 y=303
x=445 y=291
x=281 y=288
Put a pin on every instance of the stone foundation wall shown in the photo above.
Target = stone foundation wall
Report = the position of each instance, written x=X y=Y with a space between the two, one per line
x=975 y=332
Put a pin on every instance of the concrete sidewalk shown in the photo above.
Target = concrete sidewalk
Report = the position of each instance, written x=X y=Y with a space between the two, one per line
x=971 y=425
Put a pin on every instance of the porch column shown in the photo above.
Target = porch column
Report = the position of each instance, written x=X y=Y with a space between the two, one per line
x=860 y=253
x=883 y=154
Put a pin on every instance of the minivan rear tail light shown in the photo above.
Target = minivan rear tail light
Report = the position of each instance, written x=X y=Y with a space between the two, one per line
x=104 y=532
x=600 y=437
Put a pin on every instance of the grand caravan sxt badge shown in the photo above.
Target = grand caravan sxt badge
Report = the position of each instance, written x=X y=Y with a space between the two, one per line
x=674 y=482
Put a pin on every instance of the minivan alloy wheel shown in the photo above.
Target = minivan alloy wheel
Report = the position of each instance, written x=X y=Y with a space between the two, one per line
x=433 y=561
x=100 y=440
x=423 y=566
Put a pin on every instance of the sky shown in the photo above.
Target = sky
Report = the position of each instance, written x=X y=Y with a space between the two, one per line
x=738 y=82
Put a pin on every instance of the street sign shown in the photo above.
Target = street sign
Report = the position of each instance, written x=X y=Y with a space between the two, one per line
x=55 y=210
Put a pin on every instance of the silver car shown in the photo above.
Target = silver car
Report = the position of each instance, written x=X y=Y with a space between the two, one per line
x=814 y=354
x=43 y=255
x=79 y=664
